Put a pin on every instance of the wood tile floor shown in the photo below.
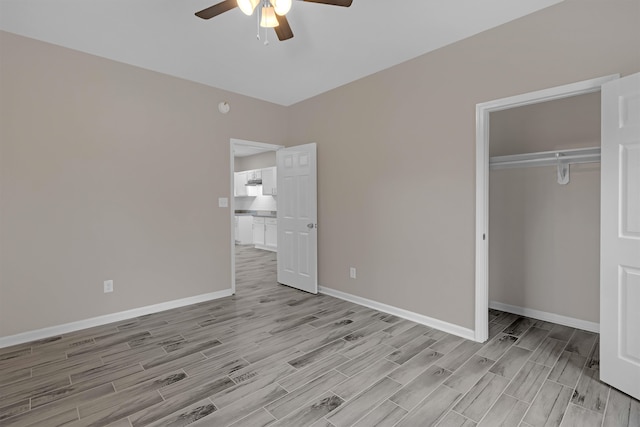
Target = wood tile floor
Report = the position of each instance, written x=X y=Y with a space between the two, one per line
x=275 y=356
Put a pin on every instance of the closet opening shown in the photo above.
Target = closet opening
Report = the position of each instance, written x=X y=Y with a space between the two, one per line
x=538 y=206
x=544 y=211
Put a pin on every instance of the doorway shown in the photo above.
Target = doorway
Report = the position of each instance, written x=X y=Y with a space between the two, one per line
x=253 y=207
x=483 y=112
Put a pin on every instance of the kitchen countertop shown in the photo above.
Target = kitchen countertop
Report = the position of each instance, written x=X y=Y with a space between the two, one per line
x=265 y=214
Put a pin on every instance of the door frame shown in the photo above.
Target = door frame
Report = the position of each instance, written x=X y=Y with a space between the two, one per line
x=483 y=111
x=232 y=203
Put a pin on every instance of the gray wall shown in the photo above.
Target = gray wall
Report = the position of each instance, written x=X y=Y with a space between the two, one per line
x=396 y=150
x=256 y=161
x=109 y=171
x=544 y=238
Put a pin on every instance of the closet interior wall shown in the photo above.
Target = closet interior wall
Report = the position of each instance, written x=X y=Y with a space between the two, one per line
x=544 y=238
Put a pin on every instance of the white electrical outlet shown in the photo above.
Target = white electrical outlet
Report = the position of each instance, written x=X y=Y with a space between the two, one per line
x=352 y=272
x=108 y=286
x=223 y=202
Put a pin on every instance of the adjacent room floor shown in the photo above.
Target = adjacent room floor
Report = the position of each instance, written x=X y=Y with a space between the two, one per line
x=272 y=355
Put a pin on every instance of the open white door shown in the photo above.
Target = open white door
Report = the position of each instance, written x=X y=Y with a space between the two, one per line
x=297 y=217
x=620 y=236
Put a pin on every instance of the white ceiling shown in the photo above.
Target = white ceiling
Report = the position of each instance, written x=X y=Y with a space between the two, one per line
x=332 y=45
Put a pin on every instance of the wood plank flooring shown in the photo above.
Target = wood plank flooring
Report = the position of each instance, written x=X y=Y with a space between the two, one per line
x=274 y=356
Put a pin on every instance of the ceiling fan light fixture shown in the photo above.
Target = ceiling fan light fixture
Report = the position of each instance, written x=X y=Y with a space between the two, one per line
x=268 y=18
x=282 y=7
x=247 y=6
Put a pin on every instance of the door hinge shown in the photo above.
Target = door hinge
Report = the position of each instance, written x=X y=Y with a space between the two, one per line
x=484 y=236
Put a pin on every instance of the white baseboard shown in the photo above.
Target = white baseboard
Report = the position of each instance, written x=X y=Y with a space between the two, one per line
x=548 y=317
x=108 y=318
x=405 y=314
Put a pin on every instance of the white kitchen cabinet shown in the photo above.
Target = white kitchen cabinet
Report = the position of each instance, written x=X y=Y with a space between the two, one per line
x=265 y=233
x=240 y=183
x=269 y=182
x=271 y=233
x=258 y=232
x=240 y=187
x=244 y=229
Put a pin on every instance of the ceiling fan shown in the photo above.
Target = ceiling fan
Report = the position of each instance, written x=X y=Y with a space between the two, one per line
x=272 y=14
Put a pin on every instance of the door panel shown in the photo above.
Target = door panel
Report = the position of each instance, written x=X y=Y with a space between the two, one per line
x=297 y=217
x=629 y=314
x=304 y=269
x=630 y=197
x=288 y=188
x=288 y=249
x=303 y=198
x=620 y=236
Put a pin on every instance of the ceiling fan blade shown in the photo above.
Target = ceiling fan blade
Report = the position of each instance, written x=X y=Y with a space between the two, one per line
x=283 y=30
x=343 y=3
x=217 y=9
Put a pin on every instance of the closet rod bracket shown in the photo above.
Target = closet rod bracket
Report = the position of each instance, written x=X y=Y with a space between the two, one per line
x=563 y=170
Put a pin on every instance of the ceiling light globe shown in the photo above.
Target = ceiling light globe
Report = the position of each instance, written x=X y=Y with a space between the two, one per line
x=247 y=6
x=268 y=18
x=282 y=7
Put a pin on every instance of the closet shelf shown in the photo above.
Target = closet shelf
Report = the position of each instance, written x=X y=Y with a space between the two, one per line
x=546 y=158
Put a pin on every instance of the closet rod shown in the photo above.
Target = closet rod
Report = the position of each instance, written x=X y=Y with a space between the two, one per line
x=546 y=158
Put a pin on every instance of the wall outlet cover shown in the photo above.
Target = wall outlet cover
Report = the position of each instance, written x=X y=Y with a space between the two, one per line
x=108 y=286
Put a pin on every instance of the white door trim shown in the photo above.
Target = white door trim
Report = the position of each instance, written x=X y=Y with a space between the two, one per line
x=483 y=111
x=232 y=203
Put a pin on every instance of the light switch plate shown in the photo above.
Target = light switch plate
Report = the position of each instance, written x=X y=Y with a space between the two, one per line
x=223 y=202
